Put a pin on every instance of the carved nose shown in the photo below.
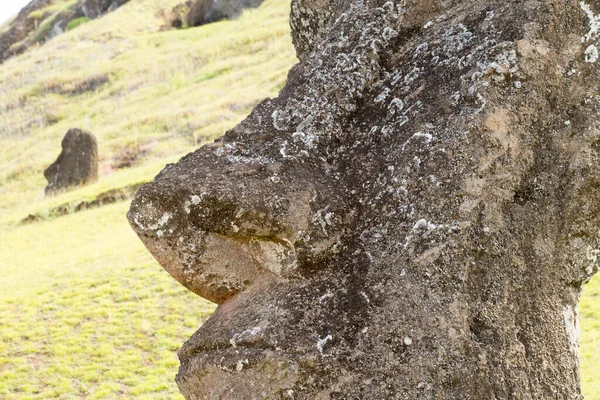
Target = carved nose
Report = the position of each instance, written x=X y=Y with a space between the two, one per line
x=218 y=233
x=215 y=248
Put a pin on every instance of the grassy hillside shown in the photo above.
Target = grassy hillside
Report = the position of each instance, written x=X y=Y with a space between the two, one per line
x=145 y=94
x=85 y=312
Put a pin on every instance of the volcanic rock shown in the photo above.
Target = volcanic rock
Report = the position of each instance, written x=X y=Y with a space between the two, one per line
x=200 y=12
x=25 y=30
x=412 y=218
x=77 y=163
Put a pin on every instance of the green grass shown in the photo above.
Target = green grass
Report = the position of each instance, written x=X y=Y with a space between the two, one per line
x=167 y=91
x=76 y=22
x=85 y=312
x=589 y=350
x=53 y=8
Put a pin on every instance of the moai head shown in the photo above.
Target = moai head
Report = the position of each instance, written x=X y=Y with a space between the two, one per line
x=413 y=216
x=77 y=163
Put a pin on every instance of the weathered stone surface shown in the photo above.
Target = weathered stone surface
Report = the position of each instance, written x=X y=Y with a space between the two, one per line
x=412 y=218
x=96 y=8
x=77 y=163
x=19 y=29
x=200 y=12
x=206 y=11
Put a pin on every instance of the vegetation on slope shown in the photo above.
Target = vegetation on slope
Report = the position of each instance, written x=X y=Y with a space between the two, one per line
x=154 y=94
x=84 y=310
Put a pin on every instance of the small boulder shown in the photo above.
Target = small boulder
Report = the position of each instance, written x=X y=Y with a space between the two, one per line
x=199 y=12
x=207 y=11
x=77 y=163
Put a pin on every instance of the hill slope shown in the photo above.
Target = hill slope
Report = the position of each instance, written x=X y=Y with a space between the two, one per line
x=84 y=309
x=145 y=94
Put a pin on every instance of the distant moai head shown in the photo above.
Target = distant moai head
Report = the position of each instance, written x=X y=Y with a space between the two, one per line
x=77 y=163
x=412 y=218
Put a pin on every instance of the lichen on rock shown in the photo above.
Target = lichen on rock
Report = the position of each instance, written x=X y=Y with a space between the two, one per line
x=413 y=217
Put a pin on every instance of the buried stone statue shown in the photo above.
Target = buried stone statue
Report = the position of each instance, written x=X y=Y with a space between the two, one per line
x=412 y=218
x=77 y=163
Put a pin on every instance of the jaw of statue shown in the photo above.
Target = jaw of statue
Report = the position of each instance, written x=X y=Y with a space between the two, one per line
x=258 y=239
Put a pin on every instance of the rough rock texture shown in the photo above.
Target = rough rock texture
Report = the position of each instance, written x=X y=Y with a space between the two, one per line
x=77 y=163
x=412 y=218
x=91 y=9
x=206 y=11
x=200 y=12
x=26 y=30
x=19 y=29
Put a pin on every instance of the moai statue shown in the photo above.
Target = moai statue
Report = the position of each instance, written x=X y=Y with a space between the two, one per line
x=77 y=163
x=207 y=11
x=412 y=218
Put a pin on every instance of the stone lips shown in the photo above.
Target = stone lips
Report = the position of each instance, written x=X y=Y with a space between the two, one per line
x=77 y=163
x=413 y=217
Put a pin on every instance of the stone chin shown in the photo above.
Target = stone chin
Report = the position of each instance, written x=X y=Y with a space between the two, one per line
x=242 y=351
x=270 y=378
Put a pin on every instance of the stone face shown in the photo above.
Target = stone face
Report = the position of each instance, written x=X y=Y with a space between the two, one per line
x=77 y=163
x=412 y=218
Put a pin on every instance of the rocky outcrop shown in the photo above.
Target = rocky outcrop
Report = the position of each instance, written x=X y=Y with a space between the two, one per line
x=412 y=218
x=20 y=28
x=200 y=12
x=93 y=9
x=35 y=24
x=77 y=163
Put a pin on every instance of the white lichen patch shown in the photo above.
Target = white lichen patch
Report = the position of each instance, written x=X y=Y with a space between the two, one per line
x=591 y=54
x=323 y=218
x=239 y=336
x=592 y=257
x=424 y=136
x=322 y=342
x=195 y=200
x=571 y=321
x=219 y=151
x=423 y=225
x=382 y=96
x=396 y=105
x=594 y=22
x=164 y=219
x=424 y=228
x=325 y=297
x=240 y=364
x=364 y=295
